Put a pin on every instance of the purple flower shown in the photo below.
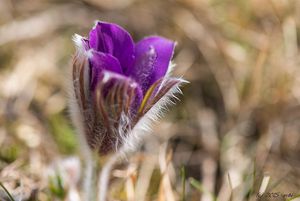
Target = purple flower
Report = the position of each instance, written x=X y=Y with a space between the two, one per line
x=120 y=86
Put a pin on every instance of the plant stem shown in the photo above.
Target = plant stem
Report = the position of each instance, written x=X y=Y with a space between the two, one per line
x=88 y=177
x=89 y=162
x=104 y=176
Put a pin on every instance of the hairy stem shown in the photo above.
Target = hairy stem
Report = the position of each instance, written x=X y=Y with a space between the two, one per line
x=89 y=162
x=88 y=177
x=104 y=176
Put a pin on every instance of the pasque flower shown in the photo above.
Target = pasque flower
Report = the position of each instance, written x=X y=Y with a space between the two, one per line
x=119 y=86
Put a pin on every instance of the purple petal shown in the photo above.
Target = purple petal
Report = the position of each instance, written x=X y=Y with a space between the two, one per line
x=113 y=39
x=153 y=55
x=101 y=61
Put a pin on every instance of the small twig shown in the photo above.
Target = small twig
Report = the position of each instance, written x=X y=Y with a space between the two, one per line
x=7 y=192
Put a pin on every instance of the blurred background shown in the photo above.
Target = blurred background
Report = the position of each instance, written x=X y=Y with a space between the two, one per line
x=234 y=135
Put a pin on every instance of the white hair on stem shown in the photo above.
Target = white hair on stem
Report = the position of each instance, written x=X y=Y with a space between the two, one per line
x=170 y=69
x=79 y=43
x=77 y=39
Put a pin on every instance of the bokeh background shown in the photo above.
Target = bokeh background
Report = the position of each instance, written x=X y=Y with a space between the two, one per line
x=234 y=134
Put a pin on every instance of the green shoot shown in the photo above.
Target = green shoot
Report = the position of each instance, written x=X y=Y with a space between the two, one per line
x=183 y=179
x=197 y=185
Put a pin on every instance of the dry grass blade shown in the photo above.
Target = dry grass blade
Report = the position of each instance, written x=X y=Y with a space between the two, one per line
x=264 y=185
x=7 y=192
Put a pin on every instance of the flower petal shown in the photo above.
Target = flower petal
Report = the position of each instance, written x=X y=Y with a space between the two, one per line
x=153 y=55
x=113 y=39
x=101 y=61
